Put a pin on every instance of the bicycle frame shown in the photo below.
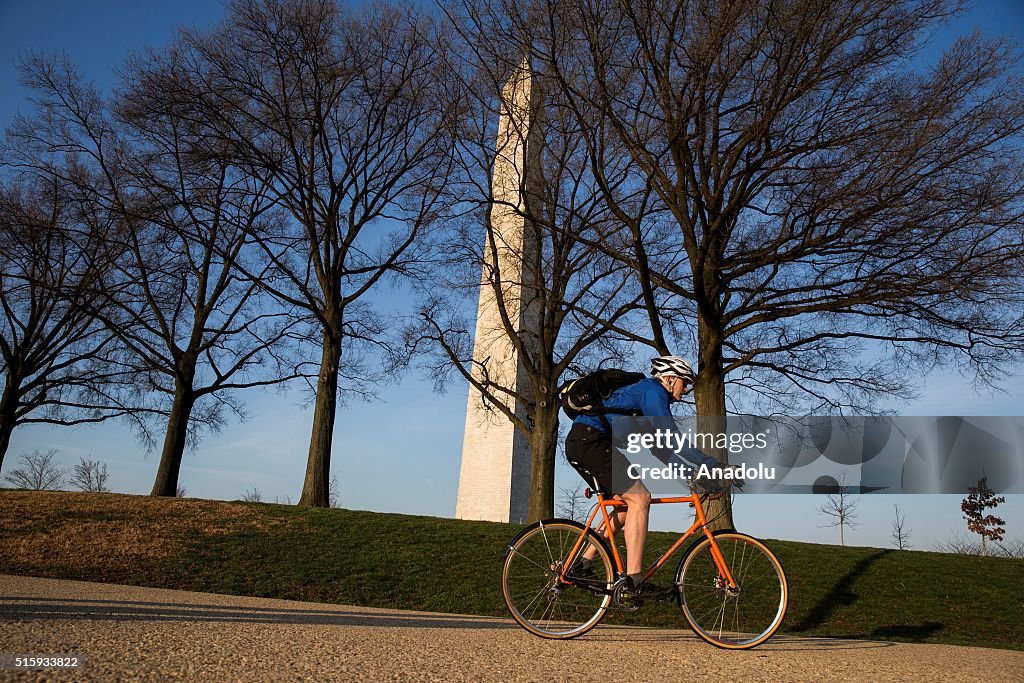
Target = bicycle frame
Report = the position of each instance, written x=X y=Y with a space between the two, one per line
x=699 y=522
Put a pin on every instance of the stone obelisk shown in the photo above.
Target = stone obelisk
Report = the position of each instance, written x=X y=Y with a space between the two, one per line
x=494 y=477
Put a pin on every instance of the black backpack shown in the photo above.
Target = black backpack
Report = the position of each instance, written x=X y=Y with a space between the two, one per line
x=586 y=395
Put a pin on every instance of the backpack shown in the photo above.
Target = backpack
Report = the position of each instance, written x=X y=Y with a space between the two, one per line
x=586 y=395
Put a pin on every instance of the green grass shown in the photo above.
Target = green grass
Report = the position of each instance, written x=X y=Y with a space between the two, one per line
x=444 y=565
x=354 y=557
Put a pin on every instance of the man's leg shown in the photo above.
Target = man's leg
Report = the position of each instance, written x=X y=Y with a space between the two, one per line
x=638 y=498
x=590 y=454
x=618 y=519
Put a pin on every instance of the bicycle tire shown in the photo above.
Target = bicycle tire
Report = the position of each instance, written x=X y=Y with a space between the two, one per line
x=730 y=619
x=530 y=568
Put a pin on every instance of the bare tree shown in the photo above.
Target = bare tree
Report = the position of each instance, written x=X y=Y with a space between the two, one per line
x=840 y=507
x=958 y=546
x=560 y=304
x=980 y=498
x=57 y=362
x=38 y=472
x=253 y=496
x=900 y=532
x=344 y=120
x=193 y=328
x=839 y=218
x=572 y=504
x=963 y=546
x=1013 y=549
x=334 y=493
x=180 y=491
x=90 y=476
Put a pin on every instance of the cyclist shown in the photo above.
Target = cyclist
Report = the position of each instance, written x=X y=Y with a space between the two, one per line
x=589 y=450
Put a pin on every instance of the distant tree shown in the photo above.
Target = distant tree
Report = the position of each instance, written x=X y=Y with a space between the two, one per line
x=38 y=472
x=956 y=545
x=253 y=496
x=962 y=546
x=90 y=476
x=1013 y=549
x=180 y=492
x=572 y=504
x=989 y=527
x=900 y=532
x=334 y=492
x=841 y=508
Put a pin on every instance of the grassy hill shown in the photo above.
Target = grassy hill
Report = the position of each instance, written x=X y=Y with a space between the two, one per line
x=445 y=565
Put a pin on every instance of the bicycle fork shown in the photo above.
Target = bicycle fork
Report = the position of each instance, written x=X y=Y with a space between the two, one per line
x=724 y=580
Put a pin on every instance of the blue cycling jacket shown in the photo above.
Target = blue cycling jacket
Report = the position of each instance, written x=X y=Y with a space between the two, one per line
x=651 y=399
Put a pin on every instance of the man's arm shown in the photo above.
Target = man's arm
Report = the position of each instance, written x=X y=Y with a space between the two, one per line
x=655 y=405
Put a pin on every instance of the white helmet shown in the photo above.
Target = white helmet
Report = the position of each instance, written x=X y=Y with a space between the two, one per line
x=671 y=365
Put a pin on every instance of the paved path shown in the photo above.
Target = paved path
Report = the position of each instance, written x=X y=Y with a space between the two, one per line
x=145 y=634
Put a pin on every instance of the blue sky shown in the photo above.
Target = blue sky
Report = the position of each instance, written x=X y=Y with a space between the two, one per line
x=401 y=453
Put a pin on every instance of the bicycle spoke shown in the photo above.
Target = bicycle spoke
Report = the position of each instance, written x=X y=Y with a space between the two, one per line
x=538 y=600
x=732 y=617
x=531 y=561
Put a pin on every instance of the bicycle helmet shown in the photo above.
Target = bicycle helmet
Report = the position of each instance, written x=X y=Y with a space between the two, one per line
x=671 y=365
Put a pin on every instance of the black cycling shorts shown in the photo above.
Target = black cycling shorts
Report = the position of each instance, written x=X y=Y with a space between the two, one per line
x=590 y=453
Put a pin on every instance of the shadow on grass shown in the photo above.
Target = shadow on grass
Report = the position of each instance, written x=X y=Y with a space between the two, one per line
x=839 y=595
x=915 y=633
x=34 y=609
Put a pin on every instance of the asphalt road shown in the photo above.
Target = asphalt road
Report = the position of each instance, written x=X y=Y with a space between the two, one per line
x=126 y=633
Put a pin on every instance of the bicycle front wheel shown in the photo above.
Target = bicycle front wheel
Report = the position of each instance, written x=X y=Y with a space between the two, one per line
x=538 y=600
x=732 y=618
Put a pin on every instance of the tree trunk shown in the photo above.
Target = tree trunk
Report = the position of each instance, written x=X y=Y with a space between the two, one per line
x=543 y=447
x=8 y=413
x=709 y=396
x=316 y=486
x=166 y=483
x=6 y=427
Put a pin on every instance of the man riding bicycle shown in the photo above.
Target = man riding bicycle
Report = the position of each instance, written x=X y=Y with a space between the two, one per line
x=589 y=450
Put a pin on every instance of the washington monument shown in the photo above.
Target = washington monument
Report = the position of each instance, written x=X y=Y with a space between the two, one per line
x=495 y=474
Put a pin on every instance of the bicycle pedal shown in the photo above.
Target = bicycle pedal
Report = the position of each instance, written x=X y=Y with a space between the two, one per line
x=626 y=597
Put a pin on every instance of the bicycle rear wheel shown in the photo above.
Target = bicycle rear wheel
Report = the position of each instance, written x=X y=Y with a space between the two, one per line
x=530 y=584
x=739 y=618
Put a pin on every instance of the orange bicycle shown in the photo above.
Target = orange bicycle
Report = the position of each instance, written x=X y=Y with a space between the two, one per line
x=731 y=588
